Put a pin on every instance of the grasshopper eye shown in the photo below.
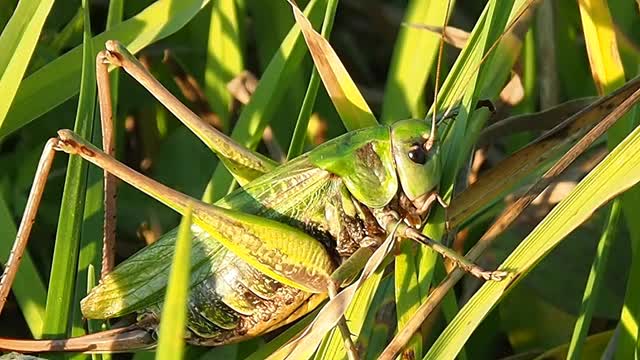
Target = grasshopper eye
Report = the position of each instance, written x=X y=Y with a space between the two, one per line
x=417 y=154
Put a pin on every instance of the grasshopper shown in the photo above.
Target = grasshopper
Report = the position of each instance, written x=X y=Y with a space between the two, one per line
x=264 y=255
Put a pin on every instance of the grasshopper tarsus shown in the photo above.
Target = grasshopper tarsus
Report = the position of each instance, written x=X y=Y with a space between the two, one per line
x=496 y=275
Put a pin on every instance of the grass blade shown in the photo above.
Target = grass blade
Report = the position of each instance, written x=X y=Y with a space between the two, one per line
x=349 y=102
x=594 y=283
x=618 y=172
x=174 y=311
x=65 y=256
x=332 y=346
x=90 y=255
x=268 y=95
x=299 y=134
x=224 y=57
x=18 y=41
x=412 y=60
x=608 y=74
x=59 y=80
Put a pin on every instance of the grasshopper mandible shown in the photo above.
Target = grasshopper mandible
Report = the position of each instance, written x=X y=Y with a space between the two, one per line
x=264 y=255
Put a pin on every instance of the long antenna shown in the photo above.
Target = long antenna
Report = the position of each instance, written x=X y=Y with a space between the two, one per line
x=432 y=136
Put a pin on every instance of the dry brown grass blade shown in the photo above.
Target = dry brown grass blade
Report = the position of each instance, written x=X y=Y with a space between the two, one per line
x=452 y=35
x=623 y=99
x=344 y=93
x=519 y=165
x=303 y=346
x=538 y=121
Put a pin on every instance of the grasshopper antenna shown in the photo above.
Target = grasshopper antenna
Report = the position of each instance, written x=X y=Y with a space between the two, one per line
x=432 y=136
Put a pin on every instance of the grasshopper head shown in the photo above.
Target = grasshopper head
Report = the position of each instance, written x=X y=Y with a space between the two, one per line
x=417 y=159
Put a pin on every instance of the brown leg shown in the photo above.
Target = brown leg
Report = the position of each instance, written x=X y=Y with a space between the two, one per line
x=429 y=201
x=28 y=218
x=243 y=160
x=106 y=119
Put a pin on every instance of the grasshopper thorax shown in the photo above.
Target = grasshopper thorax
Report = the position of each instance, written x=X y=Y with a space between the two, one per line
x=417 y=160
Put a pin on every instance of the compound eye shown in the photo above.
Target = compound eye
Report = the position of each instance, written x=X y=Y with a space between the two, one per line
x=417 y=154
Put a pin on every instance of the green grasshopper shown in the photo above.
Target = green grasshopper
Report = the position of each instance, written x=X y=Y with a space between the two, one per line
x=263 y=255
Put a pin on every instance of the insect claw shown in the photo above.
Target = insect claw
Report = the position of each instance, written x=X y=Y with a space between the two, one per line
x=498 y=275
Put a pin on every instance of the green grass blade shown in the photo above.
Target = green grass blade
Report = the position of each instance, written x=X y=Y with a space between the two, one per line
x=58 y=81
x=65 y=256
x=615 y=174
x=224 y=57
x=92 y=325
x=268 y=95
x=299 y=134
x=608 y=74
x=375 y=332
x=28 y=287
x=414 y=273
x=594 y=283
x=271 y=27
x=92 y=223
x=413 y=60
x=174 y=311
x=18 y=41
x=90 y=255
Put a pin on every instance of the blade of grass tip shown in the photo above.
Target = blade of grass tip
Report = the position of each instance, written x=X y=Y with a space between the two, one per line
x=268 y=95
x=299 y=133
x=174 y=311
x=28 y=287
x=615 y=174
x=412 y=60
x=347 y=99
x=608 y=74
x=58 y=81
x=18 y=41
x=92 y=325
x=224 y=57
x=65 y=255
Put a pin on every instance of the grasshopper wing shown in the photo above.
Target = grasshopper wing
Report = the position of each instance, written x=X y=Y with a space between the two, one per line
x=229 y=299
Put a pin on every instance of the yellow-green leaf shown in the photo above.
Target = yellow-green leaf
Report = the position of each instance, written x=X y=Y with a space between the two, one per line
x=344 y=93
